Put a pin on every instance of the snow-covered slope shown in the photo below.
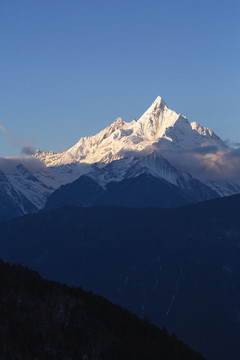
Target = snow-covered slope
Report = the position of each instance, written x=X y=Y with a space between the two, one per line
x=13 y=202
x=35 y=185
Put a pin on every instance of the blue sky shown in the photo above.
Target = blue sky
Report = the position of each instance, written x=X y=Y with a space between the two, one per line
x=69 y=68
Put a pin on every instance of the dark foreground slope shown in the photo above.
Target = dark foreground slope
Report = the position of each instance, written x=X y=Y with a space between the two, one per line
x=45 y=320
x=179 y=267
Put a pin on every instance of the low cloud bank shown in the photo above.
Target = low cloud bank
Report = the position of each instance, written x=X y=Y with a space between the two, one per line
x=210 y=162
x=9 y=164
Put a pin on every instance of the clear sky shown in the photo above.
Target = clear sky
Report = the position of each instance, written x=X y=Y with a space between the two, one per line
x=70 y=67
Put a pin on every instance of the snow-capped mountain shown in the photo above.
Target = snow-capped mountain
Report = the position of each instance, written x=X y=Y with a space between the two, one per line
x=157 y=126
x=151 y=148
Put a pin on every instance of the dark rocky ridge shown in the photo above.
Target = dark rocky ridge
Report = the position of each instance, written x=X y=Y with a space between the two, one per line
x=144 y=190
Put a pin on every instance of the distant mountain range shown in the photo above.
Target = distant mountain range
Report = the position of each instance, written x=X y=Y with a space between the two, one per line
x=179 y=267
x=160 y=160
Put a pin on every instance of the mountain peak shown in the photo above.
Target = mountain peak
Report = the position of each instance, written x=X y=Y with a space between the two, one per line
x=158 y=117
x=119 y=122
x=158 y=125
x=157 y=107
x=159 y=101
x=158 y=104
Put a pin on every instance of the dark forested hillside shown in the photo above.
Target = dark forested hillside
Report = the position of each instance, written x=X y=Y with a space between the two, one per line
x=45 y=320
x=179 y=267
